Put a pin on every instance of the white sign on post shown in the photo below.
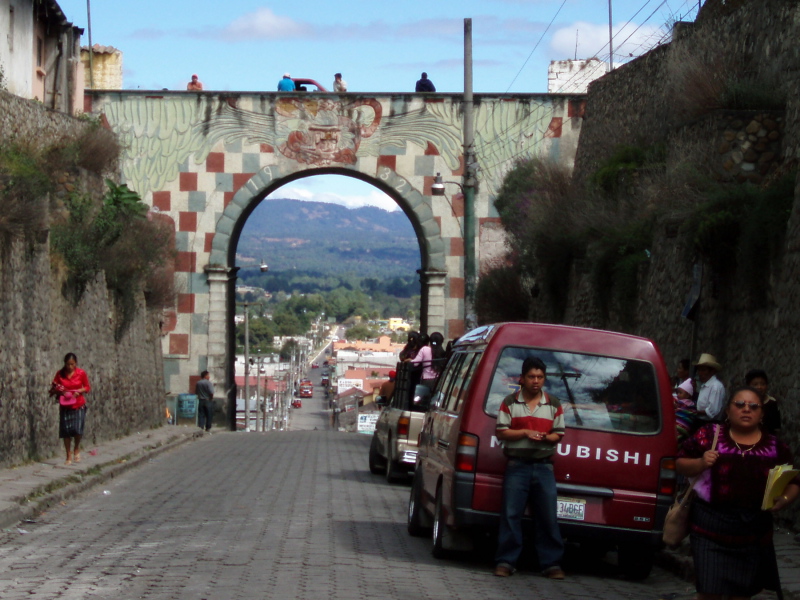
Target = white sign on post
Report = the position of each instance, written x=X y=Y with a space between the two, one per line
x=366 y=422
x=347 y=384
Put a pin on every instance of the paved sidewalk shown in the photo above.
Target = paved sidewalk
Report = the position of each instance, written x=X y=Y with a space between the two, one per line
x=30 y=489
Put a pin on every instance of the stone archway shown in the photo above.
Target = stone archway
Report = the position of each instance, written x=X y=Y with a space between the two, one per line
x=221 y=269
x=202 y=160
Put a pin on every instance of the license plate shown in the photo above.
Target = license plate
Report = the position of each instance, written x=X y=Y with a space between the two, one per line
x=572 y=509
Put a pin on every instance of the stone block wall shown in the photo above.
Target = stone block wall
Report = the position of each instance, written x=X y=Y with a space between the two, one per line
x=632 y=106
x=42 y=319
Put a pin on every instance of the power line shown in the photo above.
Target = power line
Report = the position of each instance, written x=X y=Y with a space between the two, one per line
x=537 y=45
x=500 y=136
x=641 y=8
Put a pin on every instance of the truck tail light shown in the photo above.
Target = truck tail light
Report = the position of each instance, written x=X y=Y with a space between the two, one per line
x=667 y=477
x=467 y=452
x=402 y=426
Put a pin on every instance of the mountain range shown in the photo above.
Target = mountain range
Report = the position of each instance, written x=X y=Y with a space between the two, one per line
x=329 y=240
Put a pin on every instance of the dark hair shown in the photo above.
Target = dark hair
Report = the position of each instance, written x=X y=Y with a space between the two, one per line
x=424 y=75
x=203 y=374
x=686 y=364
x=533 y=362
x=68 y=356
x=337 y=74
x=744 y=388
x=755 y=374
x=423 y=340
x=438 y=353
x=412 y=346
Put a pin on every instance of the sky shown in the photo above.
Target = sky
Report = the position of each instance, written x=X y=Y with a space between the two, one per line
x=378 y=46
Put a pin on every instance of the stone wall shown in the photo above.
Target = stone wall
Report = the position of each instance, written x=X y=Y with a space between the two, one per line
x=42 y=318
x=633 y=105
x=22 y=119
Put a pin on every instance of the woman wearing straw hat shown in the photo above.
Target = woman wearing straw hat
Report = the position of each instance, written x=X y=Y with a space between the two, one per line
x=711 y=392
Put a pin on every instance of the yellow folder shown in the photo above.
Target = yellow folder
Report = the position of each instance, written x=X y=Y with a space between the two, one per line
x=777 y=480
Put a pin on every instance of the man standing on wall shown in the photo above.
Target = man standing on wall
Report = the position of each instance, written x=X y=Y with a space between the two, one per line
x=286 y=84
x=424 y=84
x=195 y=85
x=530 y=423
x=339 y=84
x=204 y=390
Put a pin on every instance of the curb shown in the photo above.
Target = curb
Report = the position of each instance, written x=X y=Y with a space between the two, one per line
x=66 y=487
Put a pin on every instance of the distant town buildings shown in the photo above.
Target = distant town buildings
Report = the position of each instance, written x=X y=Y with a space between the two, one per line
x=398 y=324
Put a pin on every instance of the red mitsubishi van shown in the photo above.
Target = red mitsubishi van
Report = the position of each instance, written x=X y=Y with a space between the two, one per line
x=614 y=467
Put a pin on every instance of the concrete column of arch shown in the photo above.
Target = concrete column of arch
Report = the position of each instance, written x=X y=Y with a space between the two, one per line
x=219 y=284
x=435 y=319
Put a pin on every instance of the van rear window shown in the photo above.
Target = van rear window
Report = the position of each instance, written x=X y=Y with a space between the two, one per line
x=597 y=392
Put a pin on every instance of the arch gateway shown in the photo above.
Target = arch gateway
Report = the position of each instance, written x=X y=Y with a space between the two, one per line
x=204 y=160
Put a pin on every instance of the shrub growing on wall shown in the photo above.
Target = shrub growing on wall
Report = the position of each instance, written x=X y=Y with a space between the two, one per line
x=740 y=232
x=545 y=220
x=114 y=236
x=501 y=296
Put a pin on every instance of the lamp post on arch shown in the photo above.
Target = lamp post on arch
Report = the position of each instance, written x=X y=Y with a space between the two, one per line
x=263 y=267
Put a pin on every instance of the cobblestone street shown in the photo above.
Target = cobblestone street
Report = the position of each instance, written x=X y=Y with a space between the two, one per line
x=281 y=515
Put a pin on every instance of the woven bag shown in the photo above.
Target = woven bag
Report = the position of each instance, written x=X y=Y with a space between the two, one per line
x=676 y=523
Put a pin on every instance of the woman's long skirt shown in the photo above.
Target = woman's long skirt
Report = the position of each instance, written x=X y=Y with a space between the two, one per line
x=733 y=550
x=71 y=421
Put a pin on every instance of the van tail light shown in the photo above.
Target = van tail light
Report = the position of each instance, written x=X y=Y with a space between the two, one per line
x=403 y=424
x=667 y=477
x=467 y=452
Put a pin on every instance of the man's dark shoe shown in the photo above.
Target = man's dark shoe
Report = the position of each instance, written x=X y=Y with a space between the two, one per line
x=503 y=571
x=553 y=573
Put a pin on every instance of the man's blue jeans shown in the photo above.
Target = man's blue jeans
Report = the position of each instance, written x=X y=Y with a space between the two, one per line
x=534 y=484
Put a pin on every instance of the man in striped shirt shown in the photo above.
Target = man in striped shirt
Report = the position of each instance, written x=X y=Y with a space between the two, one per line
x=530 y=423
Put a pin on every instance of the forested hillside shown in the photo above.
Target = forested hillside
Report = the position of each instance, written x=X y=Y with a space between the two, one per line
x=330 y=240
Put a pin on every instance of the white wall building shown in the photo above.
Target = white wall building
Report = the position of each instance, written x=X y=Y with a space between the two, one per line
x=574 y=76
x=40 y=56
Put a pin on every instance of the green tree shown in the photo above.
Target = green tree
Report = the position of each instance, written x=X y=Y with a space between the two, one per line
x=289 y=349
x=361 y=332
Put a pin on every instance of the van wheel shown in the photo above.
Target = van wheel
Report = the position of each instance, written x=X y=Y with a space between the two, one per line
x=416 y=526
x=636 y=560
x=376 y=462
x=439 y=529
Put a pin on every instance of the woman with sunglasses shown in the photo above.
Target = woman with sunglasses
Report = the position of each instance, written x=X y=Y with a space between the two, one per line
x=731 y=536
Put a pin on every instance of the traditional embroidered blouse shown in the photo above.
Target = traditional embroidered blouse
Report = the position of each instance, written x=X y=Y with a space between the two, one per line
x=739 y=477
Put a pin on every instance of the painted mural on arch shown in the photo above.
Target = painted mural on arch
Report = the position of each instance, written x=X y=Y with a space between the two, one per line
x=161 y=134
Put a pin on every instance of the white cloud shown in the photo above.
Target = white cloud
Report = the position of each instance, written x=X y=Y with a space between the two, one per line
x=265 y=24
x=593 y=40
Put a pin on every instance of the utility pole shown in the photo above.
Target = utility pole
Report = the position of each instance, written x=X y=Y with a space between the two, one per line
x=91 y=50
x=246 y=364
x=469 y=185
x=610 y=40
